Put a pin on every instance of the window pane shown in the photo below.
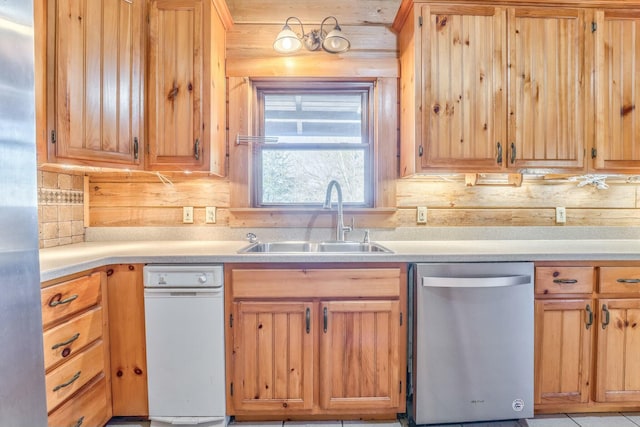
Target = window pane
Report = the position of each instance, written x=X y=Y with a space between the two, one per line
x=314 y=118
x=302 y=176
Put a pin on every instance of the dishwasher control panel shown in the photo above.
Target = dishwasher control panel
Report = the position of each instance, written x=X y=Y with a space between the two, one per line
x=183 y=276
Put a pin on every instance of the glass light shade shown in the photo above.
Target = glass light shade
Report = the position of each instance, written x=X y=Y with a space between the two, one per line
x=336 y=42
x=287 y=41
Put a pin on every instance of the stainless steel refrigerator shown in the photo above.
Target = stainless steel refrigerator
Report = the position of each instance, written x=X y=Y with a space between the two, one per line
x=22 y=389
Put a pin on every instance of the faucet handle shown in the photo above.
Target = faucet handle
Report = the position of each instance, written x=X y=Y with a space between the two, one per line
x=366 y=238
x=252 y=238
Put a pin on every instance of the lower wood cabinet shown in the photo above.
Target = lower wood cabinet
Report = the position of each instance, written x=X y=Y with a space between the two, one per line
x=76 y=350
x=305 y=342
x=587 y=337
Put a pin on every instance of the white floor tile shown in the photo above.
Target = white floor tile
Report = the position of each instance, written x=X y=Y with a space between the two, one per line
x=559 y=420
x=313 y=424
x=511 y=423
x=602 y=420
x=633 y=416
x=371 y=424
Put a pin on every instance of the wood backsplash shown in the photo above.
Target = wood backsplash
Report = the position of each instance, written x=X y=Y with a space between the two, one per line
x=146 y=200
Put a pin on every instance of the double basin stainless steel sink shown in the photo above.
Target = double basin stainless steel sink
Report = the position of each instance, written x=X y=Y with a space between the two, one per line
x=330 y=246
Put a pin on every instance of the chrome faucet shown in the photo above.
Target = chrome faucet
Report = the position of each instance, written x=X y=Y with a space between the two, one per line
x=341 y=229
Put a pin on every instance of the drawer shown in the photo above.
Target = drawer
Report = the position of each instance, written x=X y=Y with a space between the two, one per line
x=65 y=340
x=88 y=408
x=67 y=298
x=620 y=280
x=316 y=283
x=69 y=377
x=564 y=280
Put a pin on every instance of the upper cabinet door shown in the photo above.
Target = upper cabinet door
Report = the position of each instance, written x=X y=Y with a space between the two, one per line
x=547 y=88
x=618 y=91
x=98 y=73
x=464 y=92
x=175 y=91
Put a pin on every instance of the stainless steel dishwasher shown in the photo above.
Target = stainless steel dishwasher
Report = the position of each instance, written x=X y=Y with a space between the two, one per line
x=473 y=342
x=184 y=316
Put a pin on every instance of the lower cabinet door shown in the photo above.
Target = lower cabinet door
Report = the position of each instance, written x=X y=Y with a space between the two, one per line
x=563 y=337
x=359 y=355
x=89 y=408
x=618 y=358
x=273 y=356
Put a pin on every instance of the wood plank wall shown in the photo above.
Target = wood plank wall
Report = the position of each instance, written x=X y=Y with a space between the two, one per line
x=145 y=200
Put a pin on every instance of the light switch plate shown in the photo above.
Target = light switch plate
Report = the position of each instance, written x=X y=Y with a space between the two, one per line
x=422 y=215
x=210 y=215
x=187 y=215
x=561 y=215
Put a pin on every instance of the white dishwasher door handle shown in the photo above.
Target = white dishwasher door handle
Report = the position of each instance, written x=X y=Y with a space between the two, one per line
x=475 y=282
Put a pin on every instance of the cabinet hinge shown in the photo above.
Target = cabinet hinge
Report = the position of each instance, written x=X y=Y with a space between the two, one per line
x=420 y=151
x=148 y=149
x=420 y=21
x=53 y=136
x=400 y=318
x=231 y=389
x=594 y=26
x=135 y=148
x=231 y=320
x=400 y=389
x=594 y=153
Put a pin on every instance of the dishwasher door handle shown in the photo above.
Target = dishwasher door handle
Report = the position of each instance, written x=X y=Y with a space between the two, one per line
x=474 y=282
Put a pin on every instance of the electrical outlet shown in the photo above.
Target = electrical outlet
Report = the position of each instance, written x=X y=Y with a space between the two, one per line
x=187 y=215
x=422 y=215
x=561 y=215
x=210 y=215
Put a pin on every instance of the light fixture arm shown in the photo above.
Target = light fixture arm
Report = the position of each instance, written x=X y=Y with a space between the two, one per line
x=286 y=26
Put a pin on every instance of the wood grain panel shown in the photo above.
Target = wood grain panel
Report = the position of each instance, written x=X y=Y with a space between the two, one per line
x=176 y=73
x=362 y=12
x=89 y=407
x=447 y=194
x=547 y=92
x=98 y=95
x=358 y=339
x=273 y=356
x=127 y=339
x=617 y=358
x=256 y=41
x=618 y=85
x=563 y=349
x=464 y=94
x=69 y=297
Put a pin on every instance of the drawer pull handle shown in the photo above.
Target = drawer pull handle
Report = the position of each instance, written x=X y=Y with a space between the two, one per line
x=307 y=318
x=79 y=422
x=565 y=281
x=628 y=281
x=67 y=342
x=605 y=321
x=68 y=383
x=589 y=321
x=56 y=300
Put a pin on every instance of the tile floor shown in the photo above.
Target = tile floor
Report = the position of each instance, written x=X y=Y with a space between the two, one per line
x=560 y=420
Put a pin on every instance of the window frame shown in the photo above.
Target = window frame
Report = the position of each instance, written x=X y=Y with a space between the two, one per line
x=271 y=87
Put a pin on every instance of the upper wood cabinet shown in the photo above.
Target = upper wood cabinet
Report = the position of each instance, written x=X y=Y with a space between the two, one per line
x=488 y=88
x=547 y=97
x=95 y=103
x=617 y=144
x=186 y=86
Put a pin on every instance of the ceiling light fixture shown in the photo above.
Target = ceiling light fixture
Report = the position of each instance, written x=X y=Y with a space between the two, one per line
x=333 y=42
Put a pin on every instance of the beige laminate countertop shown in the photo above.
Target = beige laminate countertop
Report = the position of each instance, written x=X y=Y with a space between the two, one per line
x=64 y=260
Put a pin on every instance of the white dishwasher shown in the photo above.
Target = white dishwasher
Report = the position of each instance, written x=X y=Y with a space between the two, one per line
x=473 y=355
x=184 y=321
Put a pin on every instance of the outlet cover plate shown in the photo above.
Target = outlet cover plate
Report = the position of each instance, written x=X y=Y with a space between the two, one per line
x=187 y=215
x=422 y=215
x=210 y=215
